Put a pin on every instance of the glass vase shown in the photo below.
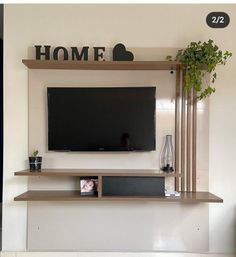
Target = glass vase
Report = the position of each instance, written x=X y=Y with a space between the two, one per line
x=167 y=157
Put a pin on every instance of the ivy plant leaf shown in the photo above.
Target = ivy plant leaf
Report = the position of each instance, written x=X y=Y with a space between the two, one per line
x=200 y=56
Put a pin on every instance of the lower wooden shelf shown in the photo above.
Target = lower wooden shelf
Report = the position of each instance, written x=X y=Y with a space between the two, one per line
x=185 y=197
x=53 y=195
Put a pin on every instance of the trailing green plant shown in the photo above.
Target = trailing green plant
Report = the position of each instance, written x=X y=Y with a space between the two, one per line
x=199 y=59
x=35 y=153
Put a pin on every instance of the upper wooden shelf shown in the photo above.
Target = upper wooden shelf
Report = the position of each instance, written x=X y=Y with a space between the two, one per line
x=95 y=172
x=101 y=65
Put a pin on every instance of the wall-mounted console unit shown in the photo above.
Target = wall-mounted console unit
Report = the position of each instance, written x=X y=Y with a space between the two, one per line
x=115 y=185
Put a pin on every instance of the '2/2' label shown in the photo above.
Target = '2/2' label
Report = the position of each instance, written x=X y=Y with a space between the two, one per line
x=217 y=19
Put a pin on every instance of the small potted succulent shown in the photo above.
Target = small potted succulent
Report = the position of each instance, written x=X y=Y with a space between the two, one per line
x=35 y=161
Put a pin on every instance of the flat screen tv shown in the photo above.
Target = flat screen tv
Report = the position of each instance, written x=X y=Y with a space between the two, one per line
x=101 y=119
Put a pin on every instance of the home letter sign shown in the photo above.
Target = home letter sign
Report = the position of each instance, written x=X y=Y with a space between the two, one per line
x=73 y=53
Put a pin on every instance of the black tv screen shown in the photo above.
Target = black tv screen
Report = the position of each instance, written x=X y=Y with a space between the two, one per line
x=101 y=119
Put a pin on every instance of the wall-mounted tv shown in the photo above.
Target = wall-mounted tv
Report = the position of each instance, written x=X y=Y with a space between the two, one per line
x=101 y=119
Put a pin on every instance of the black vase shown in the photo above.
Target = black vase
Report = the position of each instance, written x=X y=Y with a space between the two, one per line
x=35 y=163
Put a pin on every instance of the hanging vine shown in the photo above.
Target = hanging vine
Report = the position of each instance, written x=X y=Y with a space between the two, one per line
x=200 y=59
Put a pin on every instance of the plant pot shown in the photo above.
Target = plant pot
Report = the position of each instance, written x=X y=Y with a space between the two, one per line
x=35 y=163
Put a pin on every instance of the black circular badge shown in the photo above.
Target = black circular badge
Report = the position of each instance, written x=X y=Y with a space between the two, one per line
x=217 y=19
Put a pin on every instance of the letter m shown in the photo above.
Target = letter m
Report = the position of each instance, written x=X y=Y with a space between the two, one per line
x=83 y=55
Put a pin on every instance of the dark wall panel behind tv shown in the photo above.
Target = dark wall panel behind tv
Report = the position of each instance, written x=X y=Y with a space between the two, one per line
x=101 y=119
x=133 y=186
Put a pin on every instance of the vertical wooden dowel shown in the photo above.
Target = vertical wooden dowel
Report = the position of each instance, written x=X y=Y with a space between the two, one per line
x=99 y=186
x=183 y=107
x=177 y=127
x=188 y=148
x=194 y=143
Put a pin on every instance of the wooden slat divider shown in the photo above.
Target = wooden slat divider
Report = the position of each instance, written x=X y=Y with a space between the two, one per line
x=177 y=126
x=194 y=143
x=183 y=143
x=99 y=186
x=188 y=147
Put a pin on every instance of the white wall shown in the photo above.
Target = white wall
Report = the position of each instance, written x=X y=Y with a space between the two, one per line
x=15 y=139
x=161 y=26
x=222 y=158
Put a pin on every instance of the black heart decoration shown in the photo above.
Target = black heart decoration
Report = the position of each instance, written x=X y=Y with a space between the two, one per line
x=120 y=53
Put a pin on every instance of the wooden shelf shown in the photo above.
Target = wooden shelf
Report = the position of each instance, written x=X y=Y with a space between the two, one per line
x=101 y=65
x=185 y=197
x=53 y=195
x=96 y=172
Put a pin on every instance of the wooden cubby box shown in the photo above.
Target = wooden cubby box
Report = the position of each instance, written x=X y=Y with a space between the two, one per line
x=74 y=195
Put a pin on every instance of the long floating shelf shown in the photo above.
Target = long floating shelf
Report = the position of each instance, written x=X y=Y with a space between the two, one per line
x=185 y=197
x=101 y=65
x=96 y=172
